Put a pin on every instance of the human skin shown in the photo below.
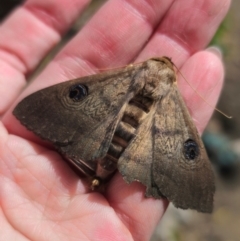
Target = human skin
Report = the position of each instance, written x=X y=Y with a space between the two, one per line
x=41 y=198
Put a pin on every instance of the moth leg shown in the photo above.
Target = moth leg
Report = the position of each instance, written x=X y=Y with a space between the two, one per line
x=106 y=167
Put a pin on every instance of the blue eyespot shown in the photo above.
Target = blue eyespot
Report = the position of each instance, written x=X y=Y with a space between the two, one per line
x=78 y=92
x=191 y=149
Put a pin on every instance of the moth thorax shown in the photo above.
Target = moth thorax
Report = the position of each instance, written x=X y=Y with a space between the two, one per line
x=135 y=112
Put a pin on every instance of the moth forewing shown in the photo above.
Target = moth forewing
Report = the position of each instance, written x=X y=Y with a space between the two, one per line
x=132 y=118
x=188 y=173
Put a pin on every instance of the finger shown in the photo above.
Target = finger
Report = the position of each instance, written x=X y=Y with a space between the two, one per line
x=139 y=214
x=204 y=72
x=26 y=37
x=116 y=42
x=187 y=28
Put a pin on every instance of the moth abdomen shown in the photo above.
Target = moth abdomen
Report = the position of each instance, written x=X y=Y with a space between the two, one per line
x=108 y=164
x=135 y=112
x=142 y=102
x=126 y=131
x=117 y=146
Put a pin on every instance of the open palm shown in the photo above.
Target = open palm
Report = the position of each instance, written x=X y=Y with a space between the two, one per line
x=41 y=198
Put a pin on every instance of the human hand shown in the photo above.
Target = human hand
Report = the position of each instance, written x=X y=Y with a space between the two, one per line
x=40 y=197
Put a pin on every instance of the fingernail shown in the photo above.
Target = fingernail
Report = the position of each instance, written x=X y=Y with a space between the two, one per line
x=215 y=50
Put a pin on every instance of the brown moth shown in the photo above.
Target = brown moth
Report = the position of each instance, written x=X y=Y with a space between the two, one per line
x=132 y=119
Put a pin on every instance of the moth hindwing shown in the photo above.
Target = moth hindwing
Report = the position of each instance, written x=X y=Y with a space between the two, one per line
x=132 y=119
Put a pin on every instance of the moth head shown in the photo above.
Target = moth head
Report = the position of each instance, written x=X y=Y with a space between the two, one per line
x=163 y=62
x=159 y=76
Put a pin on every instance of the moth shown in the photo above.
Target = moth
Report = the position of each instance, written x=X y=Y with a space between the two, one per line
x=132 y=119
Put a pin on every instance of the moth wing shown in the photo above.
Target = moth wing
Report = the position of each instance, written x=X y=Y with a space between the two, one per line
x=136 y=162
x=185 y=181
x=79 y=129
x=181 y=168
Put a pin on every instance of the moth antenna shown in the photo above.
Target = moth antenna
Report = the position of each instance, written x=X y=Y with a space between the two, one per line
x=122 y=66
x=219 y=111
x=119 y=67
